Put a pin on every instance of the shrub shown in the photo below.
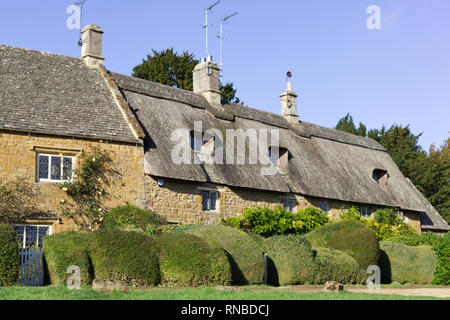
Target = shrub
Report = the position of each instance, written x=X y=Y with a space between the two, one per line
x=335 y=265
x=269 y=222
x=386 y=216
x=188 y=260
x=130 y=218
x=66 y=249
x=351 y=214
x=126 y=256
x=244 y=254
x=406 y=264
x=291 y=260
x=351 y=237
x=440 y=247
x=9 y=256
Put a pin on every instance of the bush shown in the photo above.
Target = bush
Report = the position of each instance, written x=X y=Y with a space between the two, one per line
x=126 y=256
x=351 y=237
x=269 y=222
x=335 y=265
x=130 y=218
x=9 y=256
x=441 y=248
x=188 y=260
x=244 y=254
x=405 y=264
x=386 y=216
x=66 y=249
x=291 y=260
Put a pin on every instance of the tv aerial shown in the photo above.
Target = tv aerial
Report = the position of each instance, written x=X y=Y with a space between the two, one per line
x=221 y=36
x=206 y=26
x=80 y=4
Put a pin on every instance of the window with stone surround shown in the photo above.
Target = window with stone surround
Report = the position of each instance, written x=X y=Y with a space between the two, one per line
x=54 y=168
x=209 y=200
x=365 y=211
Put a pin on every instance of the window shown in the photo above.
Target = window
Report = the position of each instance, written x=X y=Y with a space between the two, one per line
x=31 y=235
x=324 y=206
x=381 y=177
x=54 y=167
x=289 y=205
x=209 y=200
x=365 y=212
x=401 y=215
x=282 y=161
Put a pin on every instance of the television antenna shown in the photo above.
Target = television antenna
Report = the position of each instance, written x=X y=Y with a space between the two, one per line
x=221 y=36
x=80 y=4
x=206 y=26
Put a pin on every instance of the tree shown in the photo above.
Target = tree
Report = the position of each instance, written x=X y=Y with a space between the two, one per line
x=346 y=124
x=175 y=70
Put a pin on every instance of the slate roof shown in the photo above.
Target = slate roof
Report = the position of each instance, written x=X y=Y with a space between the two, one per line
x=325 y=163
x=59 y=95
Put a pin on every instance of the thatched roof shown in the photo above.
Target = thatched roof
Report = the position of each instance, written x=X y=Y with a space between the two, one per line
x=325 y=163
x=53 y=94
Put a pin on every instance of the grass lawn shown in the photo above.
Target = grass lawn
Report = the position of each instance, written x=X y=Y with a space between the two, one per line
x=248 y=293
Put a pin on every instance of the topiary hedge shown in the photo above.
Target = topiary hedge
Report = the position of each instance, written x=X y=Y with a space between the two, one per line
x=188 y=260
x=9 y=256
x=126 y=256
x=350 y=237
x=244 y=254
x=291 y=260
x=335 y=265
x=130 y=218
x=405 y=264
x=66 y=249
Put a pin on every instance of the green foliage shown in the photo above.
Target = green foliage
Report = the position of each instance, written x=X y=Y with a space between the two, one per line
x=386 y=216
x=441 y=248
x=346 y=124
x=9 y=256
x=291 y=260
x=351 y=214
x=244 y=254
x=268 y=222
x=130 y=218
x=407 y=264
x=335 y=265
x=87 y=190
x=67 y=249
x=351 y=237
x=126 y=256
x=188 y=260
x=175 y=70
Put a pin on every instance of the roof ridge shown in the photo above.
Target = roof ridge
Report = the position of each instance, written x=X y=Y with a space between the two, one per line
x=39 y=51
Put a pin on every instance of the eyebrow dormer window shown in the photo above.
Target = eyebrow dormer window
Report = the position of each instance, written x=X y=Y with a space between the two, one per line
x=282 y=161
x=381 y=177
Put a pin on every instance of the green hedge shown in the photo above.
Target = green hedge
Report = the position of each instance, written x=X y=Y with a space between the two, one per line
x=130 y=218
x=350 y=237
x=405 y=264
x=291 y=260
x=335 y=265
x=188 y=260
x=126 y=256
x=244 y=254
x=441 y=248
x=9 y=256
x=66 y=249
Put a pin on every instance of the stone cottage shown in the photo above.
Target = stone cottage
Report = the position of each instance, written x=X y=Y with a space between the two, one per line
x=53 y=108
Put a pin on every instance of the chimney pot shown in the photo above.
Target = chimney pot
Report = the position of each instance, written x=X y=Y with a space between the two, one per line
x=91 y=48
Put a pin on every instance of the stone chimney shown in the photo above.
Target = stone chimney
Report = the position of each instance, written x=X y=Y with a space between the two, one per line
x=91 y=48
x=289 y=104
x=206 y=81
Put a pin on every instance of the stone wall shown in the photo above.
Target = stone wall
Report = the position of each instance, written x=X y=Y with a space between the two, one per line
x=18 y=159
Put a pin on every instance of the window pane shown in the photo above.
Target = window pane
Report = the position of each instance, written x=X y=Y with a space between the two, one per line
x=324 y=206
x=56 y=168
x=42 y=231
x=213 y=199
x=205 y=200
x=289 y=205
x=43 y=167
x=19 y=231
x=67 y=168
x=31 y=236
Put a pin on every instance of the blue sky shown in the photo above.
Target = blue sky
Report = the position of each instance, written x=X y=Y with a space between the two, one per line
x=399 y=74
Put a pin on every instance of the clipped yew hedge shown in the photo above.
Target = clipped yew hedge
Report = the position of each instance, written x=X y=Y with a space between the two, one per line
x=406 y=264
x=351 y=237
x=291 y=260
x=67 y=249
x=188 y=260
x=9 y=256
x=244 y=254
